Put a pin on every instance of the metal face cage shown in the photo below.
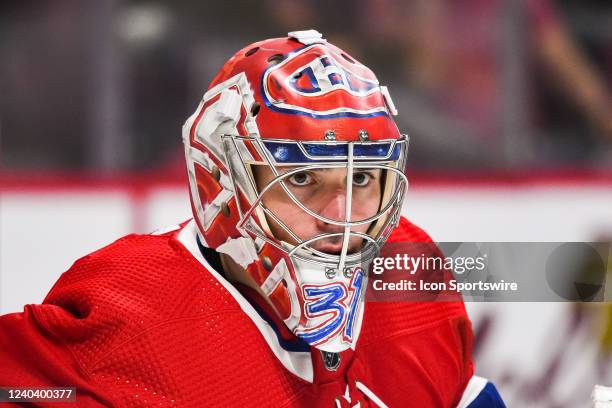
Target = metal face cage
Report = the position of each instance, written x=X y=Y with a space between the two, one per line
x=278 y=154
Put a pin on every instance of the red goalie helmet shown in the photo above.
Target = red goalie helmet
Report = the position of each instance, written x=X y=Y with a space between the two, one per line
x=296 y=104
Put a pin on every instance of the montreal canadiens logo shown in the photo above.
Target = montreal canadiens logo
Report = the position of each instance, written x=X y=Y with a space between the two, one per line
x=319 y=83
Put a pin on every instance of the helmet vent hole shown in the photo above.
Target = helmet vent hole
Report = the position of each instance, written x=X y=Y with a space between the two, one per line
x=255 y=109
x=349 y=59
x=251 y=51
x=276 y=58
x=267 y=263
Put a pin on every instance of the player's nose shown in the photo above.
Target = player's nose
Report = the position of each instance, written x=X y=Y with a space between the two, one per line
x=334 y=208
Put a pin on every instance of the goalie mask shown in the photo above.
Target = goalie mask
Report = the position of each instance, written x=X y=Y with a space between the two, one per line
x=278 y=112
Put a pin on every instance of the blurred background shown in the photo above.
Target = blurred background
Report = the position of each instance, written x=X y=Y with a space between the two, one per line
x=104 y=86
x=508 y=104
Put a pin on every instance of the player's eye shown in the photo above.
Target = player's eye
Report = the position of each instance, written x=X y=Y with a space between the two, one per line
x=361 y=179
x=301 y=179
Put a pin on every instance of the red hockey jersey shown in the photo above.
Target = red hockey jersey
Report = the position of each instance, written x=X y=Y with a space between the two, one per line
x=146 y=321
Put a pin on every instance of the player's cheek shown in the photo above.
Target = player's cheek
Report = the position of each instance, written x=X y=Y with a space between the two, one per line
x=365 y=203
x=276 y=199
x=291 y=214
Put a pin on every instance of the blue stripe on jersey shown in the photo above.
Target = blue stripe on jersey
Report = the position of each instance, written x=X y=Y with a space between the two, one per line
x=488 y=398
x=290 y=345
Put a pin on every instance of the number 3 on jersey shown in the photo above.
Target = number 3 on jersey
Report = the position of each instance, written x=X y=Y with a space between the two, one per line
x=337 y=303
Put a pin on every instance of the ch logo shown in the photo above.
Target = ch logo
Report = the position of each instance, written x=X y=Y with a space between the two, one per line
x=318 y=82
x=324 y=75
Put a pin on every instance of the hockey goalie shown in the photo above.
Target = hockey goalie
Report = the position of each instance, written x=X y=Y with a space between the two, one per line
x=296 y=177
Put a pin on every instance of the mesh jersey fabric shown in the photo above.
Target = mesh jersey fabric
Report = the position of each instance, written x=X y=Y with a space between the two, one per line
x=142 y=323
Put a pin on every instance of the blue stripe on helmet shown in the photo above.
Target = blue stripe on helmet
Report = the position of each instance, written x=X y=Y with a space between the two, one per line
x=316 y=152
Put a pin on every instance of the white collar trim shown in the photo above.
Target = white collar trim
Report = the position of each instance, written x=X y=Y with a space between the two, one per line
x=298 y=362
